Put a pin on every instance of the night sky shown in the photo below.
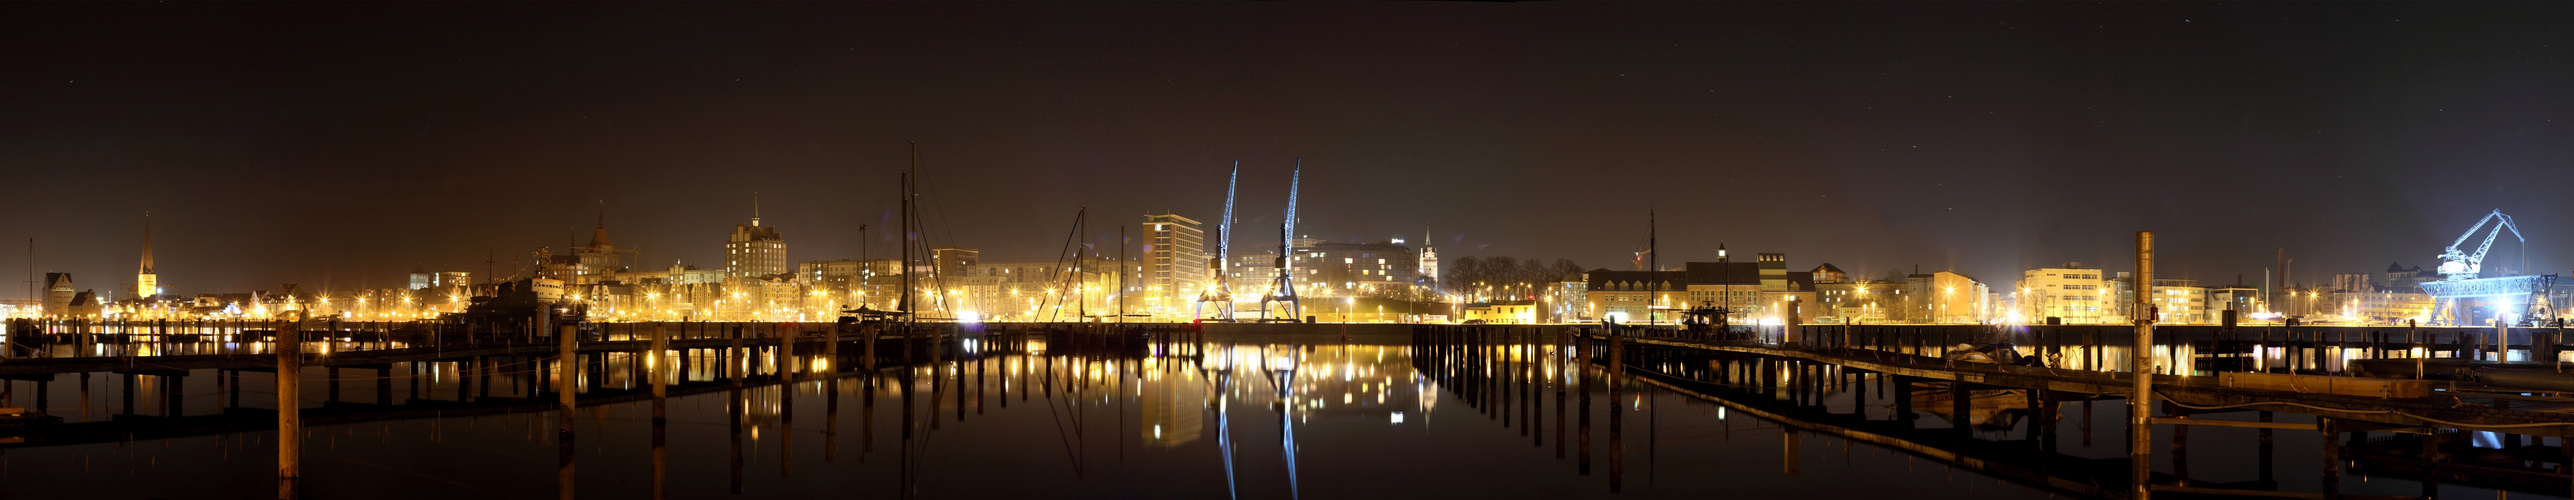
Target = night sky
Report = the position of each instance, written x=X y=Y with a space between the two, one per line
x=341 y=145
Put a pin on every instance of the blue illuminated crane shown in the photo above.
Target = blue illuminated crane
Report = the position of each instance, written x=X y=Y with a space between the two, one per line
x=1221 y=292
x=2456 y=265
x=2524 y=298
x=1285 y=291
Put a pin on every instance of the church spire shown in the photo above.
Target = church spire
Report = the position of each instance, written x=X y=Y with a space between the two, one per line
x=147 y=243
x=599 y=238
x=146 y=282
x=755 y=209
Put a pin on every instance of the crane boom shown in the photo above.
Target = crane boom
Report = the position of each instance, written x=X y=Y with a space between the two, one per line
x=2459 y=265
x=1220 y=290
x=1224 y=229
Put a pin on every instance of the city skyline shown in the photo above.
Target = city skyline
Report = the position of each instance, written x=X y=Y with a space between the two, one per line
x=1873 y=143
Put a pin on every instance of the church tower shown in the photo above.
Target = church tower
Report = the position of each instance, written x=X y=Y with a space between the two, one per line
x=146 y=282
x=1429 y=259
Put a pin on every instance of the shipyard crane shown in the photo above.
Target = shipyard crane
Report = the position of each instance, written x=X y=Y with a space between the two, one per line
x=1285 y=289
x=1221 y=292
x=2457 y=265
x=2525 y=297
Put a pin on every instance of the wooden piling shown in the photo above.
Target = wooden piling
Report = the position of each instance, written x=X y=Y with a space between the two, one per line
x=290 y=421
x=2140 y=396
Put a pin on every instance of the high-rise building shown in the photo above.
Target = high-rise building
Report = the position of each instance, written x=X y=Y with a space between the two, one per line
x=1175 y=264
x=147 y=283
x=755 y=250
x=953 y=261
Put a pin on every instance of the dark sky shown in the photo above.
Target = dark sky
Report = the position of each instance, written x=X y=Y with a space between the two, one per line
x=340 y=145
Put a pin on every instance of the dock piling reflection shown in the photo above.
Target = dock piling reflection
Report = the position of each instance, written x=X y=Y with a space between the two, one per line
x=567 y=375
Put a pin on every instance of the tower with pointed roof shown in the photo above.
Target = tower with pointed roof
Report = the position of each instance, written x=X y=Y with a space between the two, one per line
x=600 y=257
x=1429 y=259
x=147 y=283
x=755 y=250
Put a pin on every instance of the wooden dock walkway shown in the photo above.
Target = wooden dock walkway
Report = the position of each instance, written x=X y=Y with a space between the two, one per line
x=2429 y=439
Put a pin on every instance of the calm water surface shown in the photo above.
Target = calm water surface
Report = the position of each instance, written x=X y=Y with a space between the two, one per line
x=1257 y=417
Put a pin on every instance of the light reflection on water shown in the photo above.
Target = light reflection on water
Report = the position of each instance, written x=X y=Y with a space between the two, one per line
x=1256 y=418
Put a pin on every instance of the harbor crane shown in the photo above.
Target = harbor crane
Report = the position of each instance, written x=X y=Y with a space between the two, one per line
x=1285 y=289
x=1221 y=292
x=2509 y=298
x=2456 y=265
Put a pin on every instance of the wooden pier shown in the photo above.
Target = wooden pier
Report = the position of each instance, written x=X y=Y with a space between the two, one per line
x=1491 y=367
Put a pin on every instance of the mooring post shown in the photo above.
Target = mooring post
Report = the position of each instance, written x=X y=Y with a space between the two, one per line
x=290 y=421
x=2502 y=341
x=787 y=333
x=2140 y=397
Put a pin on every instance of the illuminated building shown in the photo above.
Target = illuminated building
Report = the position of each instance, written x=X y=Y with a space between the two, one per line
x=755 y=250
x=1735 y=286
x=423 y=279
x=845 y=272
x=2181 y=302
x=1774 y=275
x=1945 y=297
x=1174 y=265
x=1504 y=313
x=1031 y=291
x=1360 y=269
x=1780 y=286
x=1861 y=301
x=2072 y=293
x=1635 y=296
x=1253 y=275
x=2379 y=308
